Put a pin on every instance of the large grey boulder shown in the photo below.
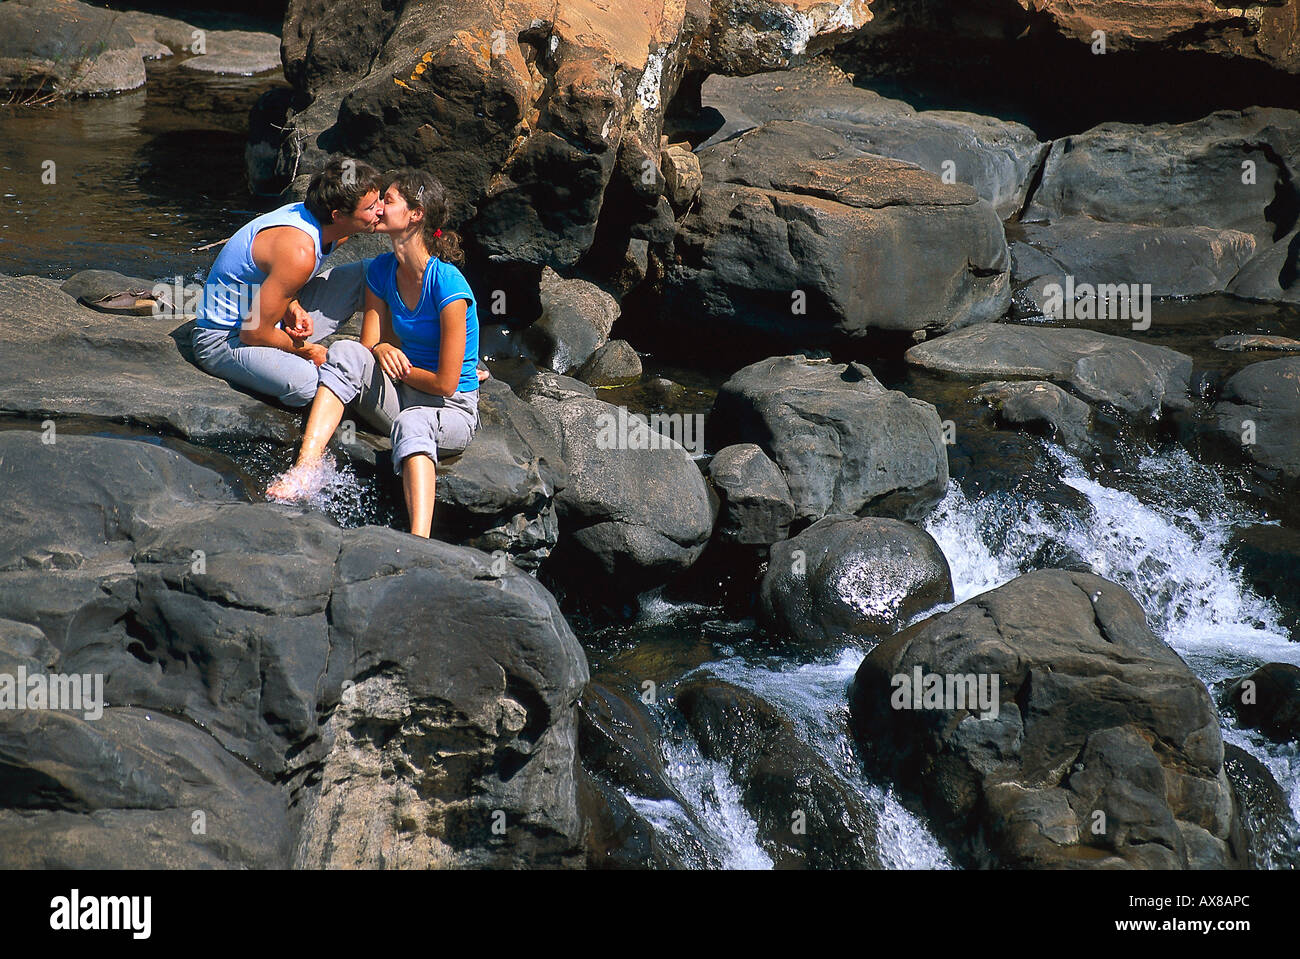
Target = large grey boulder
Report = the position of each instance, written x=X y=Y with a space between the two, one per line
x=801 y=236
x=637 y=509
x=575 y=322
x=1173 y=260
x=392 y=699
x=843 y=442
x=845 y=577
x=1221 y=171
x=997 y=157
x=142 y=371
x=756 y=504
x=1137 y=378
x=1100 y=749
x=62 y=47
x=1259 y=409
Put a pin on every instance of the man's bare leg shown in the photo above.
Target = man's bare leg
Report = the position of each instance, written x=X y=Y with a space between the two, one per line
x=419 y=483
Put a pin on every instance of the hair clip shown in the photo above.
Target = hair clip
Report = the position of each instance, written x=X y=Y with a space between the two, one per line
x=419 y=193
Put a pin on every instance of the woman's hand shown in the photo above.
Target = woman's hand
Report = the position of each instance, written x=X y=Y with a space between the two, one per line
x=392 y=361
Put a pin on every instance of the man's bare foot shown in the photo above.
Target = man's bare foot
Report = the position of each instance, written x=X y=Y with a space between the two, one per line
x=304 y=479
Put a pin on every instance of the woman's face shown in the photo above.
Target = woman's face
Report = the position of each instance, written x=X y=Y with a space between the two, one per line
x=398 y=216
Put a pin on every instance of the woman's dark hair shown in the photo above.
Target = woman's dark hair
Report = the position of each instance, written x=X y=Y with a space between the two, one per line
x=421 y=190
x=340 y=185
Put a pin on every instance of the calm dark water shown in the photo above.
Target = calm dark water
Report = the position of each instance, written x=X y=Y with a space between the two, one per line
x=139 y=178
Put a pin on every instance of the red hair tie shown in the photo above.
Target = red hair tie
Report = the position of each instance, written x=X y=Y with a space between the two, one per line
x=437 y=232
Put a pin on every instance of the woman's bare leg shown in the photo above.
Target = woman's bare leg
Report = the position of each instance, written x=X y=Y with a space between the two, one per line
x=419 y=483
x=324 y=418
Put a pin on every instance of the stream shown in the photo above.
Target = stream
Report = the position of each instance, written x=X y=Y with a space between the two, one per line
x=146 y=176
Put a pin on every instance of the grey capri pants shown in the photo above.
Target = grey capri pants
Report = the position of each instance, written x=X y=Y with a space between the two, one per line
x=331 y=297
x=417 y=422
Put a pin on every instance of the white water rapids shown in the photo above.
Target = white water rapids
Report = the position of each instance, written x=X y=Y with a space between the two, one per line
x=1160 y=530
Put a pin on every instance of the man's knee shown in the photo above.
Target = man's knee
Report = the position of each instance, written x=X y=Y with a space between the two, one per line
x=301 y=389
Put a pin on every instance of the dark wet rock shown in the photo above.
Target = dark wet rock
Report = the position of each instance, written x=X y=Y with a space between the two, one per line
x=756 y=504
x=1135 y=377
x=636 y=510
x=614 y=364
x=807 y=818
x=1104 y=750
x=1259 y=409
x=142 y=371
x=619 y=837
x=575 y=322
x=64 y=47
x=997 y=157
x=320 y=659
x=1174 y=260
x=1269 y=558
x=1175 y=174
x=133 y=789
x=1268 y=700
x=1044 y=406
x=846 y=577
x=800 y=236
x=844 y=443
x=1274 y=273
x=541 y=119
x=663 y=389
x=500 y=493
x=1242 y=343
x=1265 y=811
x=619 y=741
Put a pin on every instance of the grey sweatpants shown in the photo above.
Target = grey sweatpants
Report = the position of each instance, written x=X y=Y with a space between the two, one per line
x=331 y=297
x=416 y=422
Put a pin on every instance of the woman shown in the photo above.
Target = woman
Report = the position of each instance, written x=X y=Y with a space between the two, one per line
x=415 y=370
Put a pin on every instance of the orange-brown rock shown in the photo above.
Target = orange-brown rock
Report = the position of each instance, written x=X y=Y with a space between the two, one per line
x=542 y=118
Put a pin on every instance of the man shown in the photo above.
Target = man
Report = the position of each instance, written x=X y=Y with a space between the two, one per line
x=263 y=310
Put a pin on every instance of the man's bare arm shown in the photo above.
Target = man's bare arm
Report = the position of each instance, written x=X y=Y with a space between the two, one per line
x=289 y=261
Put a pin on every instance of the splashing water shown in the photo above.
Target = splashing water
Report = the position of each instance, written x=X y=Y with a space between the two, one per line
x=721 y=833
x=1164 y=538
x=815 y=697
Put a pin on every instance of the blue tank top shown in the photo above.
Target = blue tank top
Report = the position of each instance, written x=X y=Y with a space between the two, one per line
x=420 y=329
x=232 y=283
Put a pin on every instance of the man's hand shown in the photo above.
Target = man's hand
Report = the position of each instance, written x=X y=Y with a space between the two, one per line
x=314 y=352
x=392 y=360
x=297 y=323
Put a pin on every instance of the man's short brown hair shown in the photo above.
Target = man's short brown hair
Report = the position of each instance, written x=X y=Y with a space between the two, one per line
x=340 y=185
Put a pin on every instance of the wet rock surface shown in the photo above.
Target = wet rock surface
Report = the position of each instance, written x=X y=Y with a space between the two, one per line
x=843 y=442
x=1137 y=378
x=1097 y=721
x=309 y=680
x=756 y=504
x=800 y=235
x=844 y=578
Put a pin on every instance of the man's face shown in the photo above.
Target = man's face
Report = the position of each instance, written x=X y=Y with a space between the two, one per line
x=364 y=219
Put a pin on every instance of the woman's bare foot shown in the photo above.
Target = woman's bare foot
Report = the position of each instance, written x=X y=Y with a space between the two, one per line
x=304 y=479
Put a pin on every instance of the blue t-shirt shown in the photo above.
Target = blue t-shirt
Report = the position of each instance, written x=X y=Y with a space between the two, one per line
x=420 y=330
